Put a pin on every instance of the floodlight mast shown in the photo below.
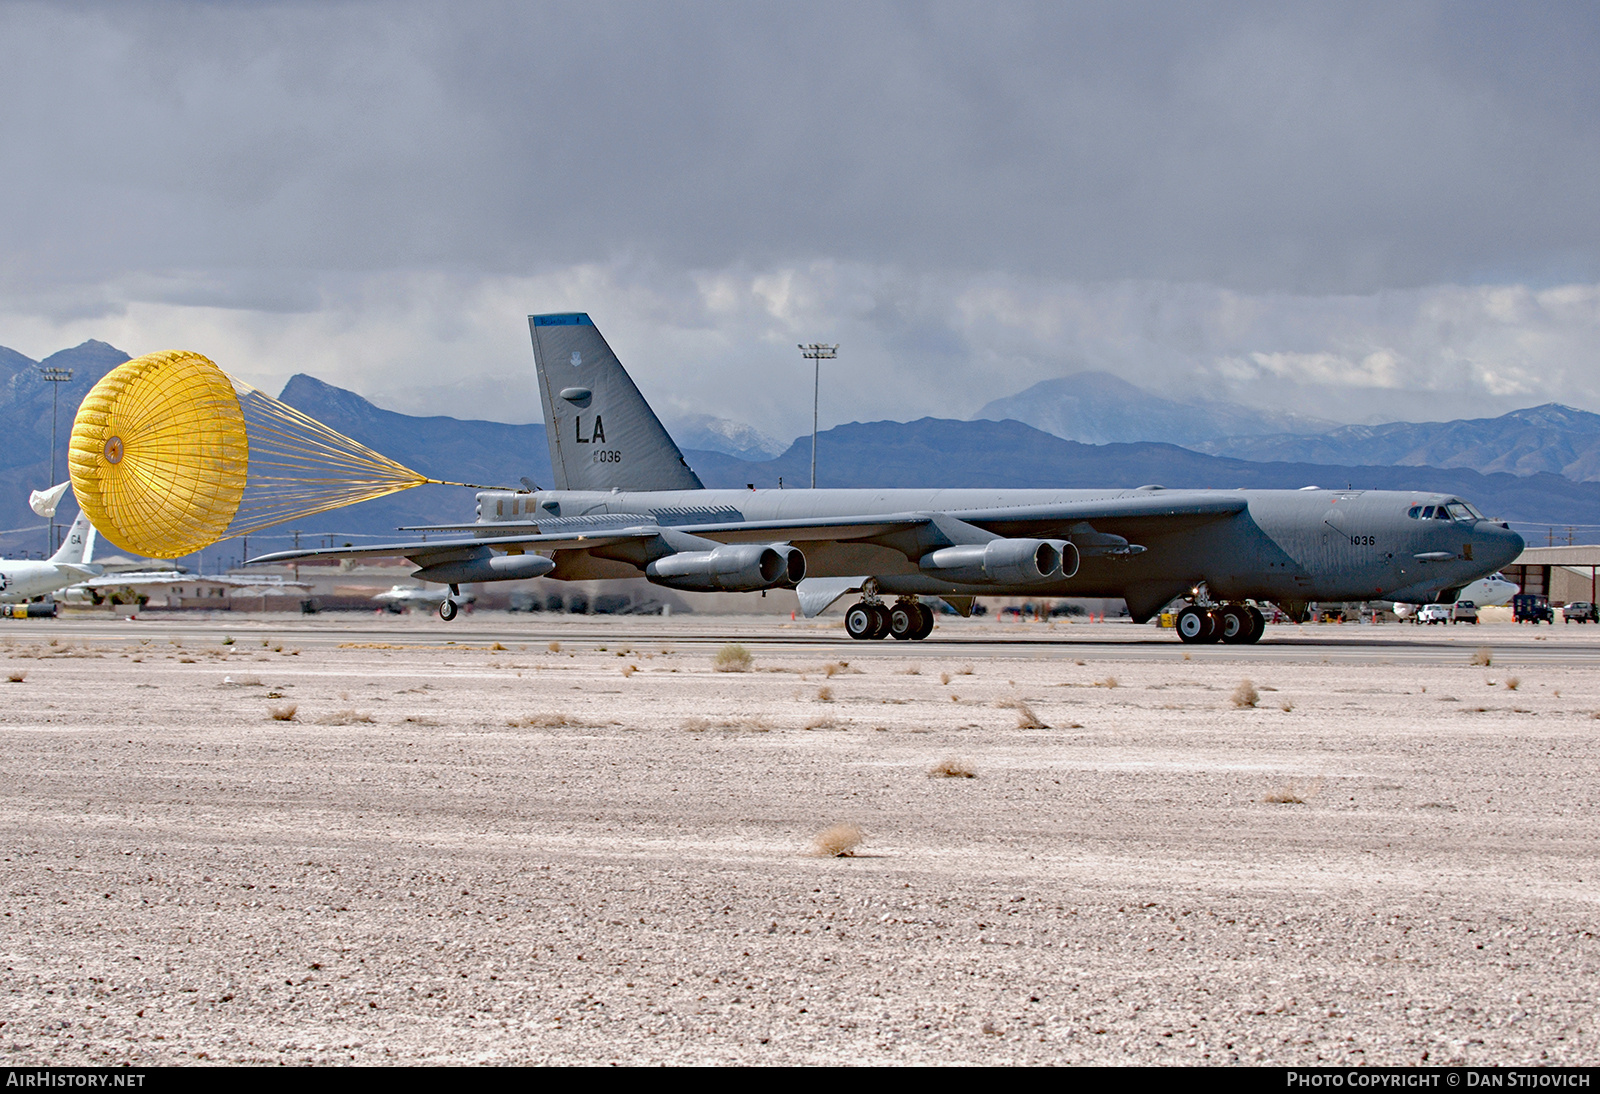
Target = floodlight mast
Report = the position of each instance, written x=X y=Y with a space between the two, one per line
x=55 y=377
x=817 y=352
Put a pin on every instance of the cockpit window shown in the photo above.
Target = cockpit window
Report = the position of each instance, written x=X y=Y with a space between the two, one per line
x=1455 y=509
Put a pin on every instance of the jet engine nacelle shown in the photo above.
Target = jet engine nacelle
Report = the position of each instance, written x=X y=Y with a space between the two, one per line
x=469 y=571
x=731 y=568
x=1003 y=562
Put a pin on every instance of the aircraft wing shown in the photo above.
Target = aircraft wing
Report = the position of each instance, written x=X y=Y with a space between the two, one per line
x=431 y=552
x=1140 y=514
x=130 y=579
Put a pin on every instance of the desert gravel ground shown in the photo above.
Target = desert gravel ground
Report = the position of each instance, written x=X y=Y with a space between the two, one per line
x=444 y=851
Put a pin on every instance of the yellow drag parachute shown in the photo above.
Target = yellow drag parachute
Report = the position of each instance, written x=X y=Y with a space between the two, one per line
x=169 y=455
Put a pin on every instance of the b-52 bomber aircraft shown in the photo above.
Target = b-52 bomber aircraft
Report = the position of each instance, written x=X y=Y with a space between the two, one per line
x=626 y=504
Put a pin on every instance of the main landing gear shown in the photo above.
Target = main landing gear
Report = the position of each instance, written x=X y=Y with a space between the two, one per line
x=909 y=620
x=1234 y=624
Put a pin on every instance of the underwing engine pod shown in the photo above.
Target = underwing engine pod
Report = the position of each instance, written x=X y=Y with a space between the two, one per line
x=731 y=568
x=1003 y=562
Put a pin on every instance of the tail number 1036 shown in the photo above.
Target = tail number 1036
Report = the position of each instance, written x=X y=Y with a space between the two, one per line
x=1363 y=541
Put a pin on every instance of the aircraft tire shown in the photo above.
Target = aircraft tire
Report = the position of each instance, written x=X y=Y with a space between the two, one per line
x=1234 y=625
x=925 y=627
x=1259 y=621
x=447 y=609
x=860 y=621
x=904 y=622
x=880 y=627
x=1194 y=625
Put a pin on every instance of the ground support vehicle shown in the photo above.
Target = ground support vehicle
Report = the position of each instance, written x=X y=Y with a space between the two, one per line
x=1531 y=608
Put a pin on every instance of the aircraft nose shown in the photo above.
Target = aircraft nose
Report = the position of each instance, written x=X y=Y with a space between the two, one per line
x=1497 y=545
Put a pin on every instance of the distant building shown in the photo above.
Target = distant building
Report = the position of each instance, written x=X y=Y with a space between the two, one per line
x=1561 y=573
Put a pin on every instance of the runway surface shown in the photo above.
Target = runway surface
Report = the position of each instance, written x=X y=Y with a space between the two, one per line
x=1395 y=643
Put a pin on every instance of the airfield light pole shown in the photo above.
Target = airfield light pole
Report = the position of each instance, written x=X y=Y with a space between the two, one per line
x=55 y=377
x=817 y=352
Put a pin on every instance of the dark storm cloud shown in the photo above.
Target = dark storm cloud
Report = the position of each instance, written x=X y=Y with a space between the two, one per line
x=236 y=153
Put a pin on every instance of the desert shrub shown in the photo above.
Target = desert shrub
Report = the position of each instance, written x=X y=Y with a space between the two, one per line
x=838 y=841
x=1484 y=656
x=824 y=695
x=1026 y=718
x=346 y=718
x=732 y=658
x=1293 y=793
x=1245 y=695
x=952 y=768
x=17 y=676
x=1513 y=683
x=284 y=713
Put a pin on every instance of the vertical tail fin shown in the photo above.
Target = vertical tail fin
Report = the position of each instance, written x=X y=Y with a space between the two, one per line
x=603 y=435
x=79 y=544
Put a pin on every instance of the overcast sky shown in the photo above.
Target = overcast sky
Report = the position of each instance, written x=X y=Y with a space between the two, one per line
x=1363 y=212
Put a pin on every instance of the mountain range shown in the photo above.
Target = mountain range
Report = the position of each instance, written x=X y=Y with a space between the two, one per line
x=1099 y=408
x=1550 y=449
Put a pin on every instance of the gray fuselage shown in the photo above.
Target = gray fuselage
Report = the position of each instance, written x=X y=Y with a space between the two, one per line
x=1284 y=546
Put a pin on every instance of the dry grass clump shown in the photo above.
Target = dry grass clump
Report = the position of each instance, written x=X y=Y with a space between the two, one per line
x=1108 y=682
x=1246 y=695
x=838 y=841
x=629 y=670
x=1286 y=706
x=944 y=678
x=558 y=720
x=911 y=670
x=1513 y=683
x=284 y=713
x=1484 y=656
x=952 y=768
x=346 y=718
x=554 y=647
x=746 y=725
x=17 y=676
x=1292 y=793
x=827 y=721
x=733 y=658
x=824 y=695
x=964 y=670
x=1026 y=718
x=496 y=646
